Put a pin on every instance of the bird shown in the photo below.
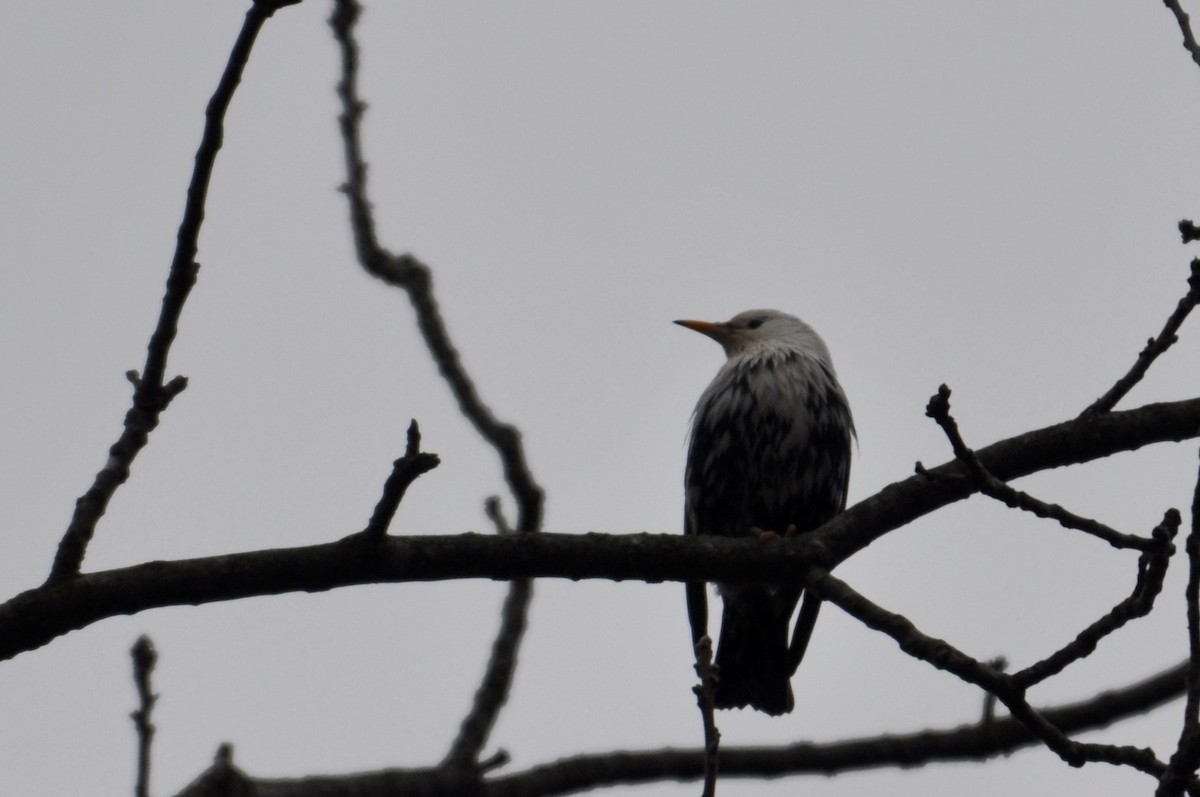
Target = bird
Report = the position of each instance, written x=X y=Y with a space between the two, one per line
x=768 y=455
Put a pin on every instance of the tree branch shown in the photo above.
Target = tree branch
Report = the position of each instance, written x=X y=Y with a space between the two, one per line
x=1183 y=764
x=1152 y=572
x=706 y=695
x=144 y=659
x=416 y=279
x=35 y=617
x=150 y=395
x=974 y=742
x=939 y=409
x=1185 y=27
x=405 y=471
x=944 y=656
x=1069 y=443
x=1166 y=338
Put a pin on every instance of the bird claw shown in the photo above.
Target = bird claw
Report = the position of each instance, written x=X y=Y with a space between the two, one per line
x=763 y=535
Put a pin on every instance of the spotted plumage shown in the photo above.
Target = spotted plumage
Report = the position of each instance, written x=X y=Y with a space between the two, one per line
x=770 y=448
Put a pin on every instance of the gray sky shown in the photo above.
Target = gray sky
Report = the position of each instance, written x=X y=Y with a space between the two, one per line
x=984 y=196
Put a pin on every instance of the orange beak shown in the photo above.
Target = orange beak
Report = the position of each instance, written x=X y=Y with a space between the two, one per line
x=704 y=328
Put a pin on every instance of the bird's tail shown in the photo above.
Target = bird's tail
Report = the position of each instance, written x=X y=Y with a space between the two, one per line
x=752 y=653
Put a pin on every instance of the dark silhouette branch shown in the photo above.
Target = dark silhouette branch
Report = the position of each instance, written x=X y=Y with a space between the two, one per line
x=1152 y=564
x=974 y=742
x=944 y=656
x=405 y=471
x=416 y=279
x=144 y=659
x=35 y=617
x=1183 y=764
x=1069 y=443
x=1152 y=572
x=1155 y=346
x=706 y=697
x=1188 y=231
x=150 y=395
x=496 y=684
x=939 y=409
x=1185 y=27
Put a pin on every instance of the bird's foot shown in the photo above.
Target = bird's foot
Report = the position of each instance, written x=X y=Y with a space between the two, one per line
x=763 y=535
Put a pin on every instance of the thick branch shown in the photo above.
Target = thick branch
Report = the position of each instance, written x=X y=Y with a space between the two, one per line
x=37 y=616
x=1069 y=443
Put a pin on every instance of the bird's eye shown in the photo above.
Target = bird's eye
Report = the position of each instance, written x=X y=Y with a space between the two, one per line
x=755 y=323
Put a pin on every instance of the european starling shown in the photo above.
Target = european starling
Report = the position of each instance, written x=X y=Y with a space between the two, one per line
x=769 y=452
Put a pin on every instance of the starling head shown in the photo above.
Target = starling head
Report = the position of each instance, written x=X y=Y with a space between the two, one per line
x=763 y=331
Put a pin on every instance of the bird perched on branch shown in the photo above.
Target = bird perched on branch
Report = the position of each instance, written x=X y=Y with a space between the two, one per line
x=769 y=455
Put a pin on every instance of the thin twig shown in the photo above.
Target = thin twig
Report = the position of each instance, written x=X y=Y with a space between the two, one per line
x=1188 y=231
x=999 y=664
x=1152 y=572
x=706 y=696
x=939 y=409
x=150 y=395
x=1183 y=764
x=496 y=683
x=1152 y=564
x=416 y=279
x=946 y=657
x=1185 y=27
x=405 y=471
x=1155 y=346
x=144 y=659
x=495 y=513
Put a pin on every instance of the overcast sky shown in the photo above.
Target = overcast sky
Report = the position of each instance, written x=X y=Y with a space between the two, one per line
x=983 y=195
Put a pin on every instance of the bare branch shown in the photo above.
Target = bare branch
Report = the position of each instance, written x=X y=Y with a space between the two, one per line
x=150 y=395
x=1185 y=27
x=939 y=409
x=1155 y=346
x=706 y=695
x=581 y=773
x=144 y=659
x=494 y=688
x=1069 y=443
x=946 y=657
x=1188 y=231
x=495 y=513
x=35 y=617
x=1183 y=764
x=416 y=279
x=405 y=471
x=1152 y=564
x=1152 y=571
